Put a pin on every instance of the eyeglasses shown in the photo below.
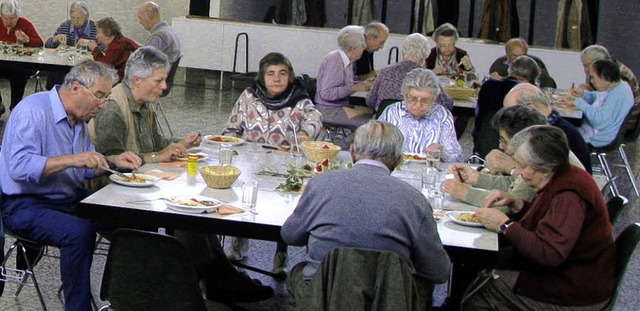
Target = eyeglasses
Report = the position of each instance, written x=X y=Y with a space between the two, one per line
x=412 y=100
x=102 y=98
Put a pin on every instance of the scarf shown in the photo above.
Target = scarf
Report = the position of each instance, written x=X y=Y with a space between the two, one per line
x=295 y=92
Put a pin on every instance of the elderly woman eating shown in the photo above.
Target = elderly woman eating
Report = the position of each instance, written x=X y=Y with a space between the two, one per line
x=270 y=111
x=115 y=49
x=446 y=58
x=275 y=106
x=561 y=248
x=335 y=80
x=424 y=124
x=605 y=108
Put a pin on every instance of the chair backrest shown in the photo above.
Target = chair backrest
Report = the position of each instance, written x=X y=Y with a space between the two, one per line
x=170 y=76
x=362 y=279
x=614 y=207
x=632 y=124
x=149 y=271
x=619 y=138
x=626 y=244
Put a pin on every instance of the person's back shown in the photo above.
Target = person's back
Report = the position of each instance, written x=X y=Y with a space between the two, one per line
x=162 y=36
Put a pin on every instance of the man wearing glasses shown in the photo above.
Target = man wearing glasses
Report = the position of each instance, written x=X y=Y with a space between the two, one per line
x=425 y=125
x=46 y=156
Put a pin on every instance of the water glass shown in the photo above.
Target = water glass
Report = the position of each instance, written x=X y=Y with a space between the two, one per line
x=225 y=156
x=294 y=149
x=436 y=198
x=429 y=179
x=433 y=158
x=249 y=194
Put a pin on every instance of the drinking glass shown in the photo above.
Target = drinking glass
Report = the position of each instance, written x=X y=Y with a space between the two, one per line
x=249 y=194
x=225 y=155
x=436 y=198
x=429 y=179
x=295 y=150
x=433 y=158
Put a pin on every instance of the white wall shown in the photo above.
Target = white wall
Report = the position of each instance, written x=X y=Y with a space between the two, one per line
x=47 y=15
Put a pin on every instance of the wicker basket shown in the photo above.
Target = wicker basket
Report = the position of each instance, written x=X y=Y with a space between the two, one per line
x=219 y=177
x=460 y=92
x=317 y=151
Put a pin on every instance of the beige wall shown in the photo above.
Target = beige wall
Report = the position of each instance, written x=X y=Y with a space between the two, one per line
x=47 y=15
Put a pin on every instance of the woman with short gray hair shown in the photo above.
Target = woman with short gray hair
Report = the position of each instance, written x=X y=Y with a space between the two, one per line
x=424 y=124
x=335 y=81
x=446 y=58
x=77 y=31
x=116 y=48
x=564 y=231
x=386 y=88
x=596 y=52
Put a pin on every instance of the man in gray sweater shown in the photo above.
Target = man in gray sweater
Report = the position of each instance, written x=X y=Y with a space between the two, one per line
x=366 y=208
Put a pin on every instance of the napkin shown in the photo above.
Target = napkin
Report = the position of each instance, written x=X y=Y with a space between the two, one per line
x=163 y=175
x=175 y=164
x=226 y=209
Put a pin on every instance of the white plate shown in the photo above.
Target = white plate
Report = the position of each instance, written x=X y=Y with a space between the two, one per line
x=407 y=159
x=150 y=180
x=235 y=140
x=201 y=156
x=173 y=203
x=454 y=217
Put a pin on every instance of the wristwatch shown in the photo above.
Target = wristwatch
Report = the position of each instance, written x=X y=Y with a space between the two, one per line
x=154 y=157
x=505 y=226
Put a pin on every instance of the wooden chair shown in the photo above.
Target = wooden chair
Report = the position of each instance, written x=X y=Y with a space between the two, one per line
x=626 y=244
x=148 y=271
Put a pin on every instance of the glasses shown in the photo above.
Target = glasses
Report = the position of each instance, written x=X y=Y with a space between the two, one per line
x=102 y=98
x=412 y=100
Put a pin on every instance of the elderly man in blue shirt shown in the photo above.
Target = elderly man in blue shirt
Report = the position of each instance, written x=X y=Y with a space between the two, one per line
x=424 y=124
x=45 y=159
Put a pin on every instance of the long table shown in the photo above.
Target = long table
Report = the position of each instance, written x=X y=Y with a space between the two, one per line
x=46 y=59
x=118 y=203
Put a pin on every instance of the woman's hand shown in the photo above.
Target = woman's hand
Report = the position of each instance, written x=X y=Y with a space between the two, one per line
x=439 y=70
x=501 y=198
x=499 y=162
x=468 y=173
x=491 y=218
x=465 y=61
x=192 y=139
x=455 y=188
x=576 y=92
x=363 y=86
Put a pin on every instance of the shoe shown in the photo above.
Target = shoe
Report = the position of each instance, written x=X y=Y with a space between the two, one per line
x=280 y=261
x=239 y=246
x=238 y=287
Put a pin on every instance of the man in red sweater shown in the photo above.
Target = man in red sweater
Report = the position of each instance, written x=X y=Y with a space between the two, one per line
x=16 y=29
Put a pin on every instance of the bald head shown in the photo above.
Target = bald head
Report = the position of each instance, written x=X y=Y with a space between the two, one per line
x=148 y=14
x=527 y=94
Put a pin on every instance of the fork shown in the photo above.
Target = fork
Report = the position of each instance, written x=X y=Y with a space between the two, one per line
x=121 y=175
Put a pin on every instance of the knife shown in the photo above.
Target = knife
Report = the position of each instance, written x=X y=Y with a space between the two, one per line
x=121 y=175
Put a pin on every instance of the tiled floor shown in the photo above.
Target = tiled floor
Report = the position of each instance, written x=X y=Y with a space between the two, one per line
x=198 y=105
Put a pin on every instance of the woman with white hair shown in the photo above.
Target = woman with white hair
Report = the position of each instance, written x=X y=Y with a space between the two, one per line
x=335 y=79
x=386 y=89
x=424 y=124
x=446 y=58
x=596 y=52
x=77 y=31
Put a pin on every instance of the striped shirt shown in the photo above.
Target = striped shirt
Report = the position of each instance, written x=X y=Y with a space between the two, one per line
x=88 y=31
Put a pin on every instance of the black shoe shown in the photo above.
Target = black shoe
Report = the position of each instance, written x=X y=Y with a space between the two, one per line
x=238 y=288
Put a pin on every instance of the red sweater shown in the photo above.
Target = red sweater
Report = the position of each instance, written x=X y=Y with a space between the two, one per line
x=24 y=25
x=117 y=53
x=587 y=275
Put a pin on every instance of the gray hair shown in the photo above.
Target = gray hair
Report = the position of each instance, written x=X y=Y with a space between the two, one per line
x=525 y=67
x=108 y=26
x=530 y=95
x=9 y=8
x=143 y=62
x=375 y=29
x=351 y=38
x=516 y=42
x=421 y=79
x=516 y=118
x=542 y=147
x=88 y=72
x=445 y=30
x=416 y=45
x=380 y=141
x=79 y=7
x=596 y=52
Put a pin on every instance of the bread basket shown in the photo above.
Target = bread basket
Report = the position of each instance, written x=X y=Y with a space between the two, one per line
x=317 y=151
x=218 y=176
x=460 y=92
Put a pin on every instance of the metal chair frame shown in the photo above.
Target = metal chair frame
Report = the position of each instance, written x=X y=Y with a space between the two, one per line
x=20 y=276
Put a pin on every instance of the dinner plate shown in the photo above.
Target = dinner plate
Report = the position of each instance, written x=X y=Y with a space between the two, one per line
x=149 y=180
x=174 y=203
x=453 y=215
x=201 y=157
x=227 y=140
x=408 y=157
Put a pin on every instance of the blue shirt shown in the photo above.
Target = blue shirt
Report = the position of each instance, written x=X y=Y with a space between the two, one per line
x=436 y=127
x=39 y=129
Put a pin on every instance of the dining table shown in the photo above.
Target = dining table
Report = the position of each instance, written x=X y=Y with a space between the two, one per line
x=60 y=60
